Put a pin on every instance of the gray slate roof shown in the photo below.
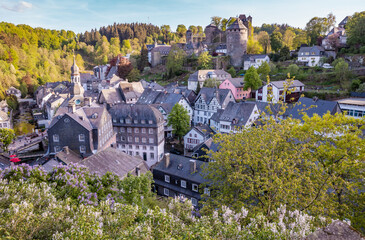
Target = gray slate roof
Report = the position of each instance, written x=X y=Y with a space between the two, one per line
x=317 y=50
x=150 y=96
x=237 y=24
x=209 y=93
x=204 y=129
x=237 y=82
x=136 y=112
x=184 y=172
x=280 y=84
x=319 y=107
x=114 y=161
x=240 y=112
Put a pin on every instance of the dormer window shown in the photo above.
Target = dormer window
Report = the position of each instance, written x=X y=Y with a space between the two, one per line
x=81 y=137
x=128 y=121
x=56 y=138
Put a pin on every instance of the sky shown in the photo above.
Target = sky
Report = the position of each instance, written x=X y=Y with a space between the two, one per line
x=84 y=15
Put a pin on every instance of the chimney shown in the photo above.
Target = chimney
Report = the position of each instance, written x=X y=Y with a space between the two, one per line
x=66 y=149
x=71 y=108
x=138 y=171
x=192 y=166
x=87 y=101
x=167 y=160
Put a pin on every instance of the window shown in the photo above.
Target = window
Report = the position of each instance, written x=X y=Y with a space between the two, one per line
x=121 y=120
x=128 y=120
x=130 y=147
x=135 y=121
x=194 y=202
x=167 y=178
x=122 y=138
x=183 y=183
x=129 y=130
x=144 y=140
x=136 y=130
x=150 y=122
x=81 y=137
x=152 y=155
x=130 y=138
x=114 y=120
x=151 y=140
x=56 y=138
x=136 y=139
x=151 y=148
x=166 y=191
x=144 y=147
x=194 y=187
x=143 y=130
x=57 y=148
x=122 y=129
x=150 y=131
x=82 y=149
x=207 y=191
x=143 y=121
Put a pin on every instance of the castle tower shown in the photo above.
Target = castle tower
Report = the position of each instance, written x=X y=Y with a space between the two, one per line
x=75 y=73
x=189 y=36
x=237 y=35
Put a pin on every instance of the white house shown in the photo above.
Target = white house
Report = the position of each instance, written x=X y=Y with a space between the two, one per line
x=354 y=107
x=202 y=75
x=209 y=101
x=13 y=91
x=311 y=56
x=234 y=116
x=254 y=60
x=276 y=89
x=197 y=135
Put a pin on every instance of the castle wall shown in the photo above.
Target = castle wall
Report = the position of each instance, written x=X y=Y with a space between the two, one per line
x=237 y=45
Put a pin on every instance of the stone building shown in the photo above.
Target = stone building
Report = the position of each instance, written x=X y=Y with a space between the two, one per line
x=140 y=131
x=237 y=36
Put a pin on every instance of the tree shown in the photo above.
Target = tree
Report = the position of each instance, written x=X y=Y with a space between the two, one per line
x=355 y=30
x=252 y=79
x=319 y=26
x=288 y=38
x=216 y=20
x=175 y=61
x=293 y=69
x=124 y=67
x=276 y=41
x=205 y=61
x=181 y=30
x=179 y=119
x=264 y=70
x=143 y=61
x=253 y=46
x=264 y=39
x=6 y=138
x=284 y=53
x=342 y=72
x=23 y=89
x=133 y=75
x=165 y=28
x=232 y=71
x=193 y=29
x=299 y=39
x=211 y=83
x=311 y=165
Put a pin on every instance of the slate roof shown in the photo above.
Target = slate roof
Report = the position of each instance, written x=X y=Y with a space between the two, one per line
x=184 y=168
x=157 y=97
x=113 y=70
x=253 y=57
x=151 y=85
x=162 y=49
x=209 y=144
x=220 y=74
x=204 y=129
x=319 y=107
x=280 y=84
x=68 y=156
x=237 y=82
x=237 y=24
x=114 y=161
x=316 y=49
x=187 y=93
x=240 y=112
x=221 y=47
x=209 y=93
x=136 y=112
x=112 y=96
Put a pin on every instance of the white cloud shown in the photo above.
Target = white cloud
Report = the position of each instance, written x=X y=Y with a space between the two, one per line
x=17 y=7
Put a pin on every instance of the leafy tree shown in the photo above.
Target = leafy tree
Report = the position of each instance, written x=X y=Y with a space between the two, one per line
x=288 y=38
x=276 y=41
x=284 y=53
x=342 y=71
x=299 y=39
x=264 y=70
x=232 y=71
x=319 y=26
x=12 y=101
x=205 y=61
x=264 y=39
x=165 y=28
x=179 y=119
x=133 y=75
x=252 y=79
x=211 y=83
x=175 y=60
x=124 y=67
x=253 y=46
x=181 y=30
x=24 y=89
x=355 y=29
x=216 y=20
x=143 y=61
x=293 y=69
x=193 y=29
x=6 y=138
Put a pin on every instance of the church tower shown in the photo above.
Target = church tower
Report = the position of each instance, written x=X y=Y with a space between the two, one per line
x=75 y=73
x=237 y=36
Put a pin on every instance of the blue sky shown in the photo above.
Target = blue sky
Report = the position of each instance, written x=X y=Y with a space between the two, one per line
x=82 y=15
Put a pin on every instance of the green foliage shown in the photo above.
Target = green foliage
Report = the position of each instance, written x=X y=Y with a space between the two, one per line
x=175 y=61
x=355 y=29
x=6 y=137
x=342 y=71
x=211 y=83
x=317 y=27
x=293 y=69
x=12 y=102
x=252 y=79
x=205 y=61
x=232 y=71
x=133 y=75
x=253 y=46
x=22 y=128
x=284 y=53
x=263 y=70
x=179 y=119
x=216 y=20
x=264 y=40
x=276 y=41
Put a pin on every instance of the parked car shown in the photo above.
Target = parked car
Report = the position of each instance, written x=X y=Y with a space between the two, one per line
x=327 y=65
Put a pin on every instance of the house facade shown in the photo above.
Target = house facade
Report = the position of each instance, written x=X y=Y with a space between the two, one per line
x=139 y=131
x=236 y=86
x=178 y=176
x=197 y=135
x=85 y=130
x=254 y=60
x=5 y=120
x=311 y=56
x=276 y=88
x=209 y=101
x=353 y=107
x=200 y=76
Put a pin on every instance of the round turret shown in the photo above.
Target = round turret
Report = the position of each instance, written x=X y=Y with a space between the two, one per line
x=237 y=36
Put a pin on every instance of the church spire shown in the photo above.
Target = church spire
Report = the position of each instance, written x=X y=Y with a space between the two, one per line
x=75 y=72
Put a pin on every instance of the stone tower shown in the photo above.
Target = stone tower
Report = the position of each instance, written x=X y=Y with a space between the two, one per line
x=189 y=36
x=237 y=35
x=75 y=73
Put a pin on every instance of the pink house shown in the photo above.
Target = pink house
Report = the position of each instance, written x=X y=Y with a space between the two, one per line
x=236 y=86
